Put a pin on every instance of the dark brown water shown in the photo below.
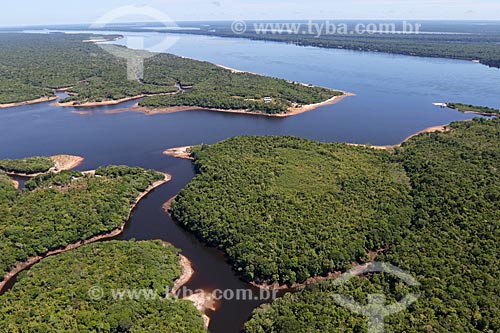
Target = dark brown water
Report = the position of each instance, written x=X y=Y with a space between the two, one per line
x=394 y=101
x=149 y=221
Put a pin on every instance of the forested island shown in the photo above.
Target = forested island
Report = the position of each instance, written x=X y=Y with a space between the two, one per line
x=58 y=211
x=468 y=108
x=430 y=207
x=73 y=292
x=36 y=65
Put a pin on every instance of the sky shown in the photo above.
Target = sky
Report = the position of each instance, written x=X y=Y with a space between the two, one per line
x=40 y=12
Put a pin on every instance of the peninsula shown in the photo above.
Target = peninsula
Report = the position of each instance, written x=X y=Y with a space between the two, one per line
x=93 y=77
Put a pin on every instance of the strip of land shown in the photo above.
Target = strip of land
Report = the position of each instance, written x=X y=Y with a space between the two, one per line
x=109 y=102
x=234 y=70
x=185 y=152
x=21 y=266
x=292 y=111
x=202 y=300
x=439 y=128
x=34 y=101
x=480 y=110
x=61 y=163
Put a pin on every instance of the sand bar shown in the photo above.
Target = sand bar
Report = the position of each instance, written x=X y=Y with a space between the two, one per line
x=179 y=152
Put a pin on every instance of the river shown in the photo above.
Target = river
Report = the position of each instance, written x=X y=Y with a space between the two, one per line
x=394 y=100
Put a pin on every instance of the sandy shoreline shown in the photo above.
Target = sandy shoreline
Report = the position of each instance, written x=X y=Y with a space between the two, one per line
x=63 y=89
x=202 y=300
x=298 y=110
x=292 y=111
x=439 y=128
x=21 y=266
x=236 y=71
x=15 y=183
x=185 y=151
x=102 y=40
x=179 y=152
x=187 y=273
x=61 y=163
x=168 y=205
x=34 y=101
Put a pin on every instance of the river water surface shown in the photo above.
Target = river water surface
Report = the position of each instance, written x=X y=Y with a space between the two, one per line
x=394 y=100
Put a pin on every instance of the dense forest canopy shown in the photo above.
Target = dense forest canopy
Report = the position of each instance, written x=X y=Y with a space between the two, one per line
x=56 y=210
x=474 y=109
x=31 y=165
x=53 y=296
x=452 y=246
x=285 y=209
x=32 y=65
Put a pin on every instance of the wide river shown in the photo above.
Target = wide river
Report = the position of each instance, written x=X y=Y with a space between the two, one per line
x=394 y=100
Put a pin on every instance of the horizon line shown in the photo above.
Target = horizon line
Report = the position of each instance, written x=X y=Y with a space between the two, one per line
x=250 y=20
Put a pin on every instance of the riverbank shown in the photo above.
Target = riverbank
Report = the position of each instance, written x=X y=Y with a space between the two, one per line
x=474 y=109
x=110 y=102
x=439 y=128
x=201 y=300
x=61 y=163
x=292 y=111
x=310 y=107
x=21 y=266
x=185 y=152
x=33 y=101
x=236 y=71
x=187 y=273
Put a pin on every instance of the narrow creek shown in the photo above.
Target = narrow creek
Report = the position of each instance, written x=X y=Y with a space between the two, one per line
x=212 y=272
